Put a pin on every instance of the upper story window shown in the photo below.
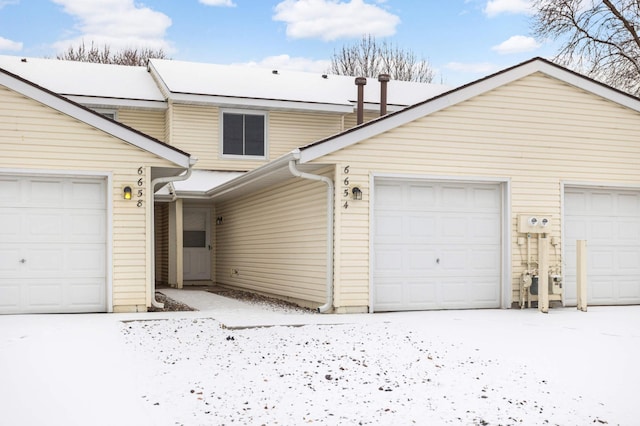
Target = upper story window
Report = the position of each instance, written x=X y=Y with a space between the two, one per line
x=109 y=113
x=244 y=134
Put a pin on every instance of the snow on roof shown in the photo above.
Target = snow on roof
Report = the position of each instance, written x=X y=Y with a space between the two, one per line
x=73 y=78
x=243 y=81
x=200 y=182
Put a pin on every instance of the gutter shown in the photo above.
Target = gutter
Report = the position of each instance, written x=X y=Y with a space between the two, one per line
x=328 y=306
x=154 y=183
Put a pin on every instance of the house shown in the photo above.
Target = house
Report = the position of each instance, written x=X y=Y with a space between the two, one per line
x=433 y=206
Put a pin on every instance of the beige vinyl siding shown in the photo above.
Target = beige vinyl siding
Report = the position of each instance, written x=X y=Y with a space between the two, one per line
x=537 y=132
x=276 y=240
x=350 y=120
x=150 y=122
x=290 y=130
x=196 y=130
x=34 y=137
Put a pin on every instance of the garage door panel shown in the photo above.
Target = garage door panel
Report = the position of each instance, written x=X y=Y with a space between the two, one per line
x=485 y=226
x=39 y=260
x=388 y=260
x=44 y=295
x=602 y=260
x=389 y=195
x=455 y=197
x=629 y=205
x=454 y=227
x=420 y=260
x=483 y=291
x=453 y=292
x=389 y=227
x=44 y=192
x=628 y=261
x=9 y=295
x=420 y=197
x=419 y=227
x=602 y=290
x=486 y=199
x=600 y=230
x=85 y=292
x=89 y=261
x=453 y=261
x=53 y=242
x=88 y=194
x=628 y=290
x=628 y=230
x=86 y=226
x=388 y=292
x=449 y=245
x=421 y=295
x=483 y=260
x=600 y=202
x=9 y=260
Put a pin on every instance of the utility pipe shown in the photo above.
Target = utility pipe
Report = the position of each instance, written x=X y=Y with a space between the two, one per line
x=330 y=194
x=360 y=82
x=383 y=79
x=155 y=182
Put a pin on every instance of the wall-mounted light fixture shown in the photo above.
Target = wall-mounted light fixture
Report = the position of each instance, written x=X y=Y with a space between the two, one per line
x=357 y=193
x=219 y=220
x=127 y=193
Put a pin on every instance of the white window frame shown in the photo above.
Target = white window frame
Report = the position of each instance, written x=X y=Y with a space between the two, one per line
x=266 y=132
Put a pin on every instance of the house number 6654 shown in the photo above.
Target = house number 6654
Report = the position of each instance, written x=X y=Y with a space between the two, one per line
x=345 y=188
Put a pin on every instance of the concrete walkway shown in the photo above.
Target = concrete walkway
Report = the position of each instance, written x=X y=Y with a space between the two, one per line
x=236 y=314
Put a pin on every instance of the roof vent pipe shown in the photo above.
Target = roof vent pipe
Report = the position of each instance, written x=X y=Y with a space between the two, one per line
x=383 y=79
x=360 y=82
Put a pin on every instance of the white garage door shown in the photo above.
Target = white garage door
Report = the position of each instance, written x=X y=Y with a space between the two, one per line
x=436 y=245
x=52 y=244
x=610 y=222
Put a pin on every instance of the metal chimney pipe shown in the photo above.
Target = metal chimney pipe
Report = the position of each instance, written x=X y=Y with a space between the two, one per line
x=383 y=79
x=360 y=82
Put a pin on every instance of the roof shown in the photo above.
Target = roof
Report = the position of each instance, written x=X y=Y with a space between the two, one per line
x=127 y=134
x=200 y=82
x=198 y=183
x=375 y=127
x=89 y=83
x=277 y=169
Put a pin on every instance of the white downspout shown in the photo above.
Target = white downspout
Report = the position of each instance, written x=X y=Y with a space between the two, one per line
x=155 y=182
x=330 y=194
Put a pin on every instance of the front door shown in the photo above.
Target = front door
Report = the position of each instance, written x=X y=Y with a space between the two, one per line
x=196 y=244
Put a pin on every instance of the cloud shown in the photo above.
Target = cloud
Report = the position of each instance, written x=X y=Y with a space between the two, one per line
x=478 y=67
x=286 y=62
x=516 y=44
x=117 y=23
x=333 y=19
x=496 y=7
x=4 y=3
x=226 y=3
x=6 y=44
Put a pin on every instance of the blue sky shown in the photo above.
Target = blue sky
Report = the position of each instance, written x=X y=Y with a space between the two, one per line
x=462 y=39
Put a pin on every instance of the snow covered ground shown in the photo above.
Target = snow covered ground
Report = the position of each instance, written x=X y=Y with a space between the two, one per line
x=425 y=368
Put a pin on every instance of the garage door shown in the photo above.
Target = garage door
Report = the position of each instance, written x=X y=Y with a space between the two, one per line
x=610 y=222
x=437 y=245
x=52 y=244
